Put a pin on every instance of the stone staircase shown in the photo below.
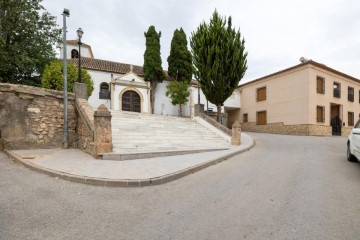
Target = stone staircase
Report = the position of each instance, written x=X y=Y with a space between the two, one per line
x=137 y=135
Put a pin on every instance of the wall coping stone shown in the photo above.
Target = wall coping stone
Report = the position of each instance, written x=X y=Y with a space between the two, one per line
x=215 y=124
x=19 y=88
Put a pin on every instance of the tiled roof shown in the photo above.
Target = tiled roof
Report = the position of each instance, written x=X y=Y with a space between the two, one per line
x=300 y=65
x=107 y=66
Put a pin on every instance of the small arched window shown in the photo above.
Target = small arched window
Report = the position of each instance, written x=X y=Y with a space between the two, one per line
x=74 y=53
x=104 y=91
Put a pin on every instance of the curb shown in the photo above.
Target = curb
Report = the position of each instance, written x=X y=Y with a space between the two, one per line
x=124 y=182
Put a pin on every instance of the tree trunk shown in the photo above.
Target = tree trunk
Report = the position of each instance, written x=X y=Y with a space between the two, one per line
x=218 y=114
x=153 y=85
x=180 y=110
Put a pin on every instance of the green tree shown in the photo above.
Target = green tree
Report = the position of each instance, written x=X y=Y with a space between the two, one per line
x=53 y=77
x=179 y=93
x=153 y=71
x=219 y=58
x=180 y=70
x=27 y=36
x=180 y=62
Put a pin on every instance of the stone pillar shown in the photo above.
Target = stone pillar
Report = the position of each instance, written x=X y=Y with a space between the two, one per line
x=80 y=90
x=236 y=134
x=198 y=108
x=102 y=131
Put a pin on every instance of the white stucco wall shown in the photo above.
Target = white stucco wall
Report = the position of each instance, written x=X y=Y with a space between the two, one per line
x=163 y=104
x=99 y=77
x=85 y=51
x=232 y=102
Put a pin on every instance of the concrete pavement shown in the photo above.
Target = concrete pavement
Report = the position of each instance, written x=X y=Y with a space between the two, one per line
x=74 y=165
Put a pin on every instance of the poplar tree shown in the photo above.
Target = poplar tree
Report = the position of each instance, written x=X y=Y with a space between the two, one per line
x=180 y=70
x=219 y=58
x=27 y=36
x=153 y=71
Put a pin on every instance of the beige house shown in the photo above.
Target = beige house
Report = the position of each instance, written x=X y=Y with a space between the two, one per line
x=307 y=99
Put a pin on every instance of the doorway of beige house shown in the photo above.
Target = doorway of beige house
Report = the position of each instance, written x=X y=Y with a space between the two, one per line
x=336 y=119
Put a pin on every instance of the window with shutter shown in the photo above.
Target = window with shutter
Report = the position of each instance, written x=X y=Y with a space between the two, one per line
x=245 y=117
x=261 y=94
x=350 y=94
x=350 y=119
x=337 y=90
x=320 y=85
x=320 y=114
x=261 y=118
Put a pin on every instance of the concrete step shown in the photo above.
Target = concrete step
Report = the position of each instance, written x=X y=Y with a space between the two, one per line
x=136 y=133
x=119 y=156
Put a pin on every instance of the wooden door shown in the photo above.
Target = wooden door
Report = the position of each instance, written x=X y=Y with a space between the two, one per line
x=131 y=101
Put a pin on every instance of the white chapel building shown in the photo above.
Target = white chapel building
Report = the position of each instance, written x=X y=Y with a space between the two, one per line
x=121 y=87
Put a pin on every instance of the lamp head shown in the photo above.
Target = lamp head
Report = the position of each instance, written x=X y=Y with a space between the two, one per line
x=66 y=12
x=80 y=32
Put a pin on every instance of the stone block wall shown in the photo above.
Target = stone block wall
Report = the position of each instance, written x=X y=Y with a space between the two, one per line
x=32 y=117
x=300 y=129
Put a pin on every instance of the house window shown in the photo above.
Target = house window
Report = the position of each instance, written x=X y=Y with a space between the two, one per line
x=261 y=118
x=350 y=94
x=350 y=119
x=320 y=114
x=337 y=90
x=104 y=91
x=74 y=53
x=320 y=85
x=245 y=118
x=261 y=94
x=359 y=96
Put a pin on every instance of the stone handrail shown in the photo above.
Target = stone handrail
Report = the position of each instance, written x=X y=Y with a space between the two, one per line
x=94 y=128
x=86 y=114
x=215 y=124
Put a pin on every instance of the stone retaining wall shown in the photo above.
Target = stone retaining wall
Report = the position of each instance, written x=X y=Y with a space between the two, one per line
x=32 y=117
x=299 y=129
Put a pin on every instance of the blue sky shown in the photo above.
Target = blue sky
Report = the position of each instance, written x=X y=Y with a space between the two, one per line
x=277 y=33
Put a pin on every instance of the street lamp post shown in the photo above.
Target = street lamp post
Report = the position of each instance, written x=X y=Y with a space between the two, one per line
x=79 y=33
x=65 y=14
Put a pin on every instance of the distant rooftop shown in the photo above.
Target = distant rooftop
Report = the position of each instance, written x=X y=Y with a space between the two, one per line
x=307 y=62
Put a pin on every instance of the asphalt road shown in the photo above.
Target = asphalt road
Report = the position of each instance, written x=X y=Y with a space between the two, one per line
x=287 y=187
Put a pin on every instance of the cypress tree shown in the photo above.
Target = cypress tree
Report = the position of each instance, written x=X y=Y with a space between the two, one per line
x=180 y=63
x=219 y=58
x=153 y=71
x=180 y=70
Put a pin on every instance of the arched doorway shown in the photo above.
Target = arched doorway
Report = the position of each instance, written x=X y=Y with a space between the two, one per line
x=131 y=101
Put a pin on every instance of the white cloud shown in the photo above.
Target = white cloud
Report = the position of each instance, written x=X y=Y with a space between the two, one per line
x=277 y=33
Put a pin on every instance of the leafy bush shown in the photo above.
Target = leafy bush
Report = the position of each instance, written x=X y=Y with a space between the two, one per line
x=53 y=77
